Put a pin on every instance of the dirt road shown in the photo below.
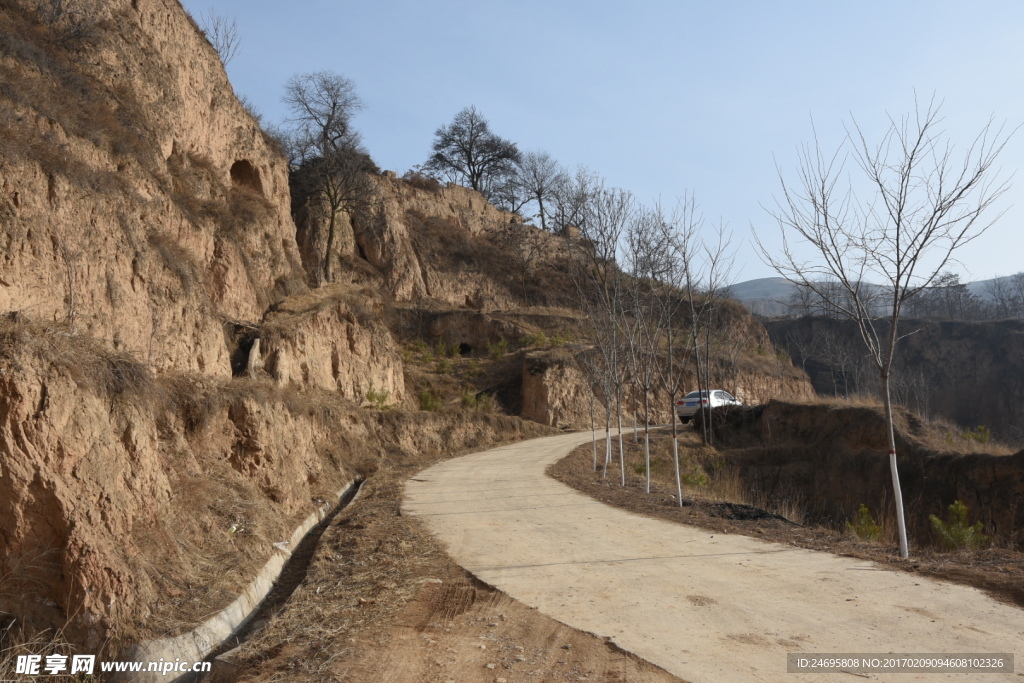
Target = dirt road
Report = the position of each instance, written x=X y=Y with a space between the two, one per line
x=706 y=607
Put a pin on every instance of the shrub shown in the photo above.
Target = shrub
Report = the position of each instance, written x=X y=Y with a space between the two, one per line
x=561 y=338
x=535 y=339
x=447 y=350
x=429 y=400
x=378 y=399
x=469 y=399
x=498 y=349
x=864 y=526
x=981 y=434
x=485 y=403
x=418 y=180
x=955 y=533
x=443 y=367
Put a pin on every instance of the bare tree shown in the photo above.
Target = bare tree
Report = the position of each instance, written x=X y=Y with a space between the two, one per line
x=647 y=259
x=525 y=244
x=595 y=268
x=923 y=202
x=679 y=236
x=222 y=33
x=538 y=176
x=706 y=273
x=466 y=151
x=331 y=170
x=1004 y=298
x=571 y=197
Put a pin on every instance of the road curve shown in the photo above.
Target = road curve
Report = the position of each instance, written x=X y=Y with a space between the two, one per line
x=706 y=607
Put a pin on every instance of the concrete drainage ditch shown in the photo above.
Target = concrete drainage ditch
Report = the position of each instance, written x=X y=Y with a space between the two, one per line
x=262 y=598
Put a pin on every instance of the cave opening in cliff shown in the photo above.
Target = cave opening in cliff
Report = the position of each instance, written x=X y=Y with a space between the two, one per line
x=244 y=174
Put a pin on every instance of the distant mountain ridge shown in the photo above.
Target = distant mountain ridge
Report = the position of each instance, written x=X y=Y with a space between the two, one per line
x=769 y=296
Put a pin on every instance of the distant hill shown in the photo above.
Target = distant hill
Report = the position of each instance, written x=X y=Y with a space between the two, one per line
x=767 y=296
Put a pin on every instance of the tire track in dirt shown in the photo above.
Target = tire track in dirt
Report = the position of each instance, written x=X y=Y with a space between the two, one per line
x=703 y=606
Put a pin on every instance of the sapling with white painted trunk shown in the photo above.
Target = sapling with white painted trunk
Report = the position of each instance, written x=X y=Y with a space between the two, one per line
x=896 y=219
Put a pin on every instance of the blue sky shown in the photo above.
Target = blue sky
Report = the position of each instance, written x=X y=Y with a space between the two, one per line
x=659 y=97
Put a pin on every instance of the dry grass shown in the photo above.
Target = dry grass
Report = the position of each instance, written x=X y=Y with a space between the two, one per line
x=89 y=362
x=15 y=641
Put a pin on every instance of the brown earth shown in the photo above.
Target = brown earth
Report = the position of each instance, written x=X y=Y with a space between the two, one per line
x=383 y=602
x=997 y=570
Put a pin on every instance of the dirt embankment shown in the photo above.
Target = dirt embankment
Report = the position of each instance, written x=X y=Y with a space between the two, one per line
x=834 y=458
x=132 y=505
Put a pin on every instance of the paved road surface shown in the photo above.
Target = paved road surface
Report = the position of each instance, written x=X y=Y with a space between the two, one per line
x=706 y=607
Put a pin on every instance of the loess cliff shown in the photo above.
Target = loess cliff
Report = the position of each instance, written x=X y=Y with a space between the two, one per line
x=174 y=394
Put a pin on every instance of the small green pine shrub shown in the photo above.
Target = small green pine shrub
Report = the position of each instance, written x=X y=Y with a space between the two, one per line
x=443 y=367
x=429 y=400
x=561 y=338
x=377 y=399
x=955 y=533
x=535 y=339
x=981 y=434
x=474 y=369
x=864 y=526
x=695 y=476
x=446 y=350
x=485 y=403
x=498 y=350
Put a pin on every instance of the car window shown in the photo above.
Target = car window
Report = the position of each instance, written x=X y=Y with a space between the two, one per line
x=727 y=396
x=692 y=394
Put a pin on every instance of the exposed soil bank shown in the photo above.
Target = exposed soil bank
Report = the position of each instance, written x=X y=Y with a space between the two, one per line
x=834 y=458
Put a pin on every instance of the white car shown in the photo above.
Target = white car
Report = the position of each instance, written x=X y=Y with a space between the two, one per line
x=688 y=405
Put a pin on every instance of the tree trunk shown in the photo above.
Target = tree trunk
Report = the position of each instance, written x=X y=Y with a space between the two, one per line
x=330 y=246
x=675 y=453
x=618 y=421
x=647 y=438
x=897 y=492
x=593 y=427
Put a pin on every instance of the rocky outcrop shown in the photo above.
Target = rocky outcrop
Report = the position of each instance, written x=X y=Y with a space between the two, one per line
x=333 y=338
x=100 y=461
x=140 y=201
x=555 y=392
x=428 y=241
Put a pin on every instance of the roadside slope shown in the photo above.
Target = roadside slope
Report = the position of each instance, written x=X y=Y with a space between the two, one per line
x=703 y=606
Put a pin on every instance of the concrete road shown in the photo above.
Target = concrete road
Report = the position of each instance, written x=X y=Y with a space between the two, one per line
x=706 y=607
